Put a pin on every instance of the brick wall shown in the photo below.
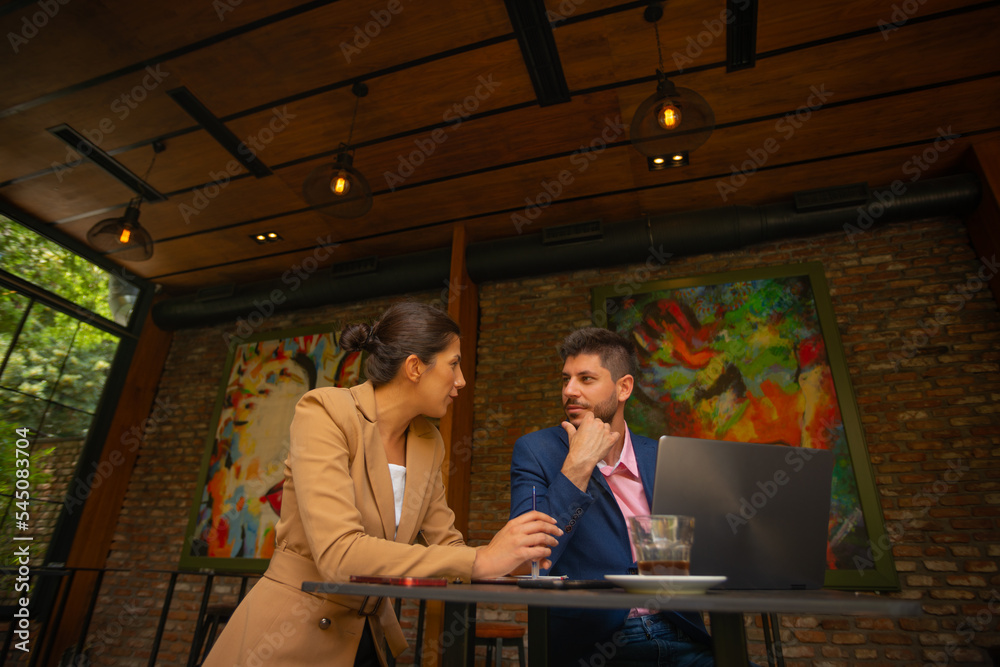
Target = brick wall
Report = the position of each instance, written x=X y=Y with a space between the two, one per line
x=939 y=406
x=932 y=404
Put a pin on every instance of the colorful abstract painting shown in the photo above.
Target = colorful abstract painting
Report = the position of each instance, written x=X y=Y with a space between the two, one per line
x=242 y=478
x=729 y=357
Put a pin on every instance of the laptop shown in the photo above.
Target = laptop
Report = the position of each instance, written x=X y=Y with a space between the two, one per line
x=761 y=511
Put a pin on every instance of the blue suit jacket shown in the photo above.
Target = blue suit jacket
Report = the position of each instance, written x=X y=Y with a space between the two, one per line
x=595 y=542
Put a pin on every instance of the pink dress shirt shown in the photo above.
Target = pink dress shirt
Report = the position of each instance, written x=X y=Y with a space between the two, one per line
x=626 y=487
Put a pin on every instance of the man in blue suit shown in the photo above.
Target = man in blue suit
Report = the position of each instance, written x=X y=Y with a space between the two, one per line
x=591 y=473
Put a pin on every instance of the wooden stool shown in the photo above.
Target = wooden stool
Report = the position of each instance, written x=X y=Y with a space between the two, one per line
x=493 y=634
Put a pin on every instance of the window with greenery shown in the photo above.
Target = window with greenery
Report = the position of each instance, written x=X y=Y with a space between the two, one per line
x=61 y=321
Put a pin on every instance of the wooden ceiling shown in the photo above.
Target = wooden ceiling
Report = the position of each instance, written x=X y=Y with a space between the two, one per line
x=278 y=73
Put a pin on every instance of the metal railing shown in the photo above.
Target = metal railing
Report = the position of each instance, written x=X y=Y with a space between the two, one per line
x=50 y=588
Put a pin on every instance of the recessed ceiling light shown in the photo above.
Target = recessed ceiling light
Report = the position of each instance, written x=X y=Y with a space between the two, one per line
x=658 y=162
x=266 y=237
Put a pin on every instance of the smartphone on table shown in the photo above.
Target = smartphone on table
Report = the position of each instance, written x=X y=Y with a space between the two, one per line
x=399 y=581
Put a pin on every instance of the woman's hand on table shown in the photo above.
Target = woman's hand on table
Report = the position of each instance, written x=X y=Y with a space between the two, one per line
x=528 y=537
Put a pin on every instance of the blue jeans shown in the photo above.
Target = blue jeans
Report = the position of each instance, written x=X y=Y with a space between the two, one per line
x=650 y=640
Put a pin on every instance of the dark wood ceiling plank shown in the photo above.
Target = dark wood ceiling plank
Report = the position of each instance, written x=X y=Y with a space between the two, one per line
x=863 y=66
x=299 y=231
x=211 y=208
x=119 y=113
x=186 y=158
x=306 y=52
x=260 y=67
x=877 y=168
x=276 y=266
x=525 y=134
x=784 y=23
x=959 y=109
x=772 y=185
x=108 y=36
x=622 y=46
x=67 y=193
x=490 y=78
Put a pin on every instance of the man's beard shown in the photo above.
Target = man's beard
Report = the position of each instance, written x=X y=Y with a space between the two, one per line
x=605 y=410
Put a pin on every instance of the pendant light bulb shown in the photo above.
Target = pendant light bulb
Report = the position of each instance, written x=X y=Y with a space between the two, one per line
x=668 y=116
x=124 y=237
x=341 y=183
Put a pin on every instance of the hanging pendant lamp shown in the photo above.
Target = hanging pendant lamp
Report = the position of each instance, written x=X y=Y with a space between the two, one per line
x=123 y=238
x=673 y=120
x=338 y=189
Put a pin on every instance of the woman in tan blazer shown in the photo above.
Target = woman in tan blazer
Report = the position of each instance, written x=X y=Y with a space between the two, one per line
x=363 y=495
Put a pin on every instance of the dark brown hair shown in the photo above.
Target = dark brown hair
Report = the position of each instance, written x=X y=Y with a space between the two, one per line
x=617 y=352
x=405 y=328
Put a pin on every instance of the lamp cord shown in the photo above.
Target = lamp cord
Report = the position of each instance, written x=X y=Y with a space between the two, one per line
x=150 y=167
x=659 y=49
x=350 y=133
x=138 y=200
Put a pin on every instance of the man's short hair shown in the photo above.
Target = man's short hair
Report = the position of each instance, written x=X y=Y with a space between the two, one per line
x=617 y=353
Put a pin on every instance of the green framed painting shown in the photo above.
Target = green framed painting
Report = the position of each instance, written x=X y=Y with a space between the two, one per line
x=238 y=496
x=755 y=356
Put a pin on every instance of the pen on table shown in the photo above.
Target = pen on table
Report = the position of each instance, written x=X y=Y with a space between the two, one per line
x=534 y=506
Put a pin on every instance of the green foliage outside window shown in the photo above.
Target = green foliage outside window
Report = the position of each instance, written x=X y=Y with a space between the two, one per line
x=54 y=361
x=47 y=264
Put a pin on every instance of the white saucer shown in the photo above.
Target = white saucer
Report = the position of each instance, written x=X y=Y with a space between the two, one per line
x=644 y=583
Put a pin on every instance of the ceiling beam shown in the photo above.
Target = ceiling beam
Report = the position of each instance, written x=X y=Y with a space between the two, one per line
x=741 y=34
x=209 y=122
x=538 y=48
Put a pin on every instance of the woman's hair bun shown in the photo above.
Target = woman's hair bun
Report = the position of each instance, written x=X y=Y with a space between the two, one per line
x=356 y=337
x=405 y=328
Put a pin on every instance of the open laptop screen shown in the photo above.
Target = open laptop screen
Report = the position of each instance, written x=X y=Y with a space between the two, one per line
x=761 y=511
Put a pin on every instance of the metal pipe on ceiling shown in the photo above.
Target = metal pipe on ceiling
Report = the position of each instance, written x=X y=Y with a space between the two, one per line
x=852 y=209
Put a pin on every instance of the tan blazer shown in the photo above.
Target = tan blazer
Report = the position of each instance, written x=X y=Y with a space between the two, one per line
x=338 y=519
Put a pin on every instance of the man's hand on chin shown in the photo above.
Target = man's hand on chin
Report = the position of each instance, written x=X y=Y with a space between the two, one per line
x=588 y=444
